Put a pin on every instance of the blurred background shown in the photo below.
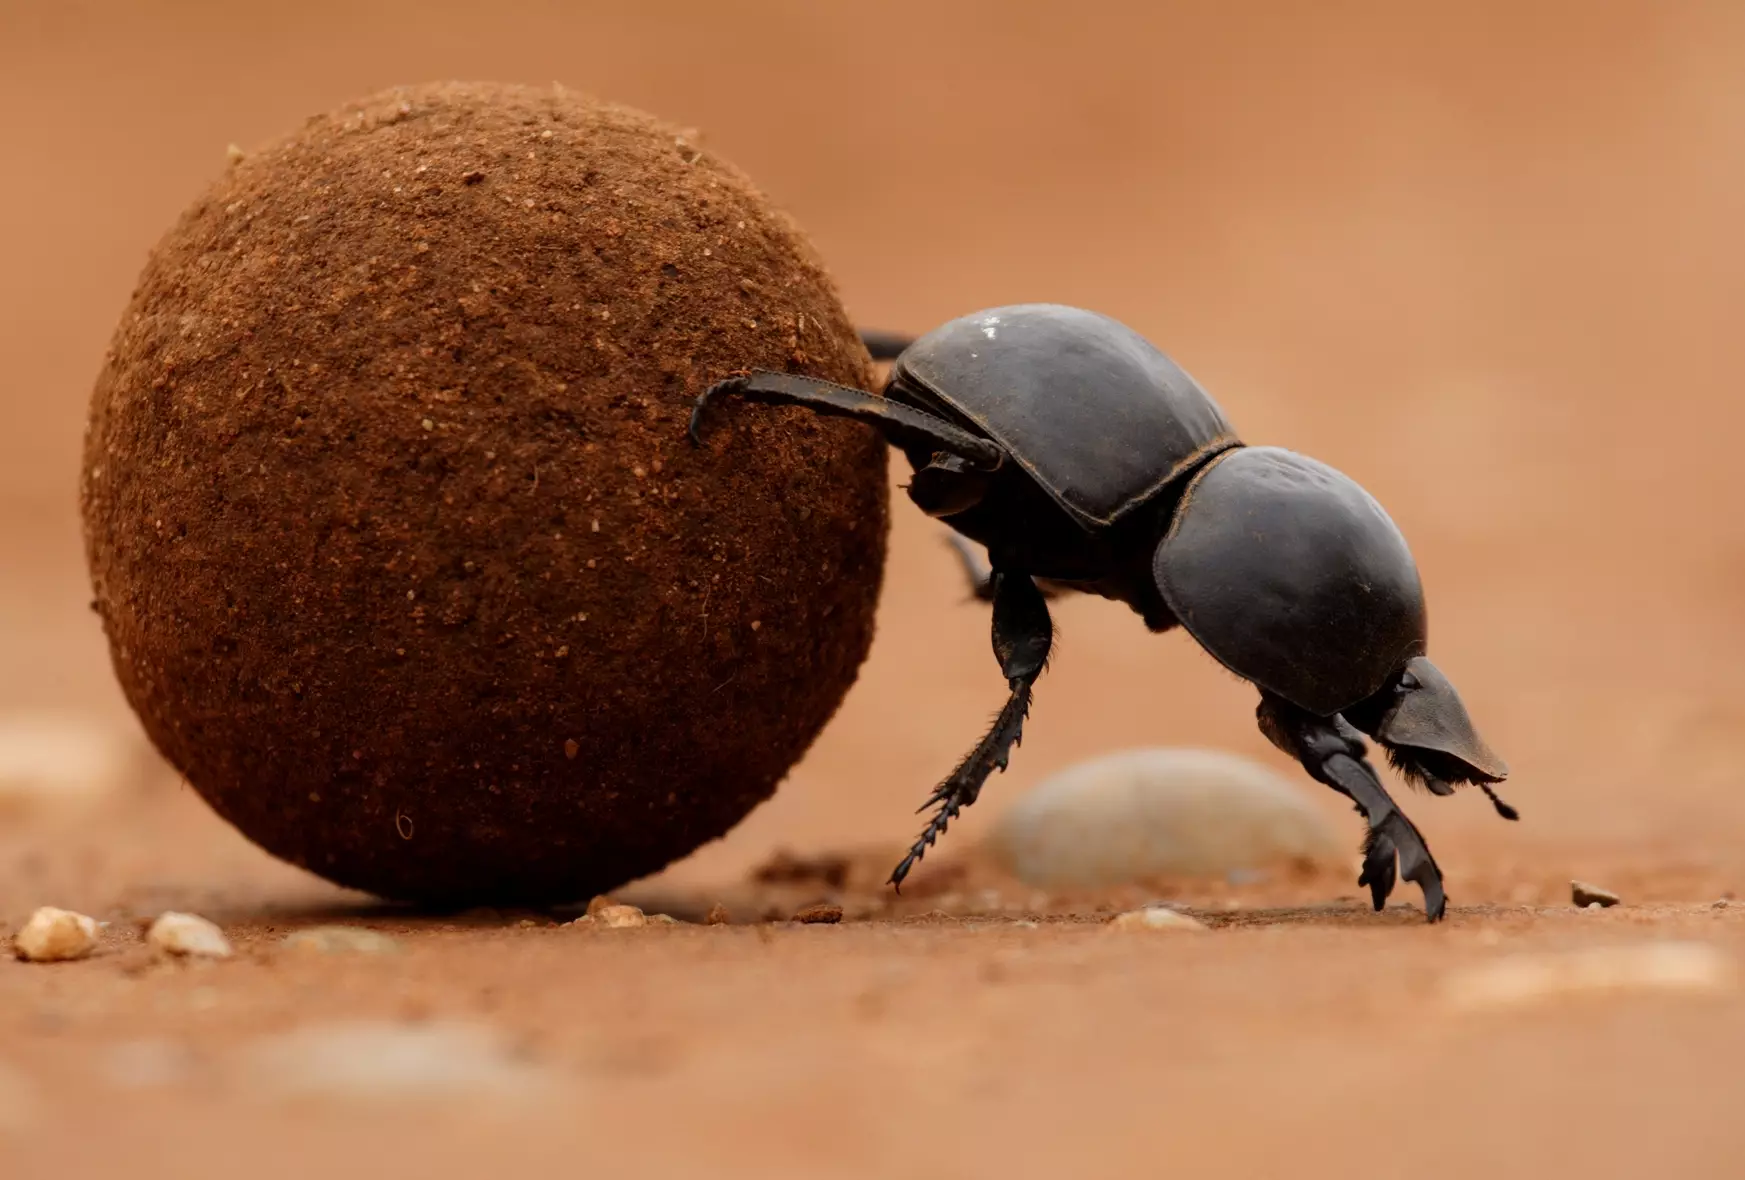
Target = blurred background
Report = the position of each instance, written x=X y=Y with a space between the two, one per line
x=1484 y=257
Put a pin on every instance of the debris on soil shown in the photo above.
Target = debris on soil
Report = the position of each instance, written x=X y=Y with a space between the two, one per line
x=1155 y=917
x=335 y=940
x=662 y=920
x=188 y=935
x=1145 y=813
x=612 y=915
x=819 y=914
x=419 y=518
x=1529 y=978
x=377 y=1061
x=595 y=905
x=784 y=868
x=717 y=916
x=53 y=935
x=1585 y=895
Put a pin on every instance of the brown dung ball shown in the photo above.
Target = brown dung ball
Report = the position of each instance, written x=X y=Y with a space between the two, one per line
x=403 y=554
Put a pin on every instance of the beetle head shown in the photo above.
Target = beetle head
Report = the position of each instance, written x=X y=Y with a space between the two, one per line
x=1420 y=720
x=1294 y=578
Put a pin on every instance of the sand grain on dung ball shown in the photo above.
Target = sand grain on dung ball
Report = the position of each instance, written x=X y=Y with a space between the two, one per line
x=403 y=555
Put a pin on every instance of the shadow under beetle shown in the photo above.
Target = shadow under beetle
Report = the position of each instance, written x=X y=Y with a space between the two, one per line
x=1083 y=459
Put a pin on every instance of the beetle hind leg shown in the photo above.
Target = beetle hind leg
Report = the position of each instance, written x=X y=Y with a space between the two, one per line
x=1023 y=635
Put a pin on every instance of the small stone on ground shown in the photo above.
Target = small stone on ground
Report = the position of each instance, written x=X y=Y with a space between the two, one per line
x=53 y=935
x=1155 y=917
x=188 y=935
x=717 y=916
x=1585 y=895
x=819 y=914
x=612 y=915
x=1138 y=814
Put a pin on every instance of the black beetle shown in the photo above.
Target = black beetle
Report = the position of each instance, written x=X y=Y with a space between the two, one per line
x=1084 y=459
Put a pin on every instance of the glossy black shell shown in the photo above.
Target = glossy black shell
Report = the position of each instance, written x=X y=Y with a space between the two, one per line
x=1096 y=415
x=1293 y=577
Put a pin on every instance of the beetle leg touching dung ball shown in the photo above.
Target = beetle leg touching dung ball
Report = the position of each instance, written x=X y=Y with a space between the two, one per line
x=1084 y=459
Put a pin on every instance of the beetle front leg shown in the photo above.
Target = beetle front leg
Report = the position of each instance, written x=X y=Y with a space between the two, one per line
x=1023 y=634
x=902 y=426
x=1335 y=758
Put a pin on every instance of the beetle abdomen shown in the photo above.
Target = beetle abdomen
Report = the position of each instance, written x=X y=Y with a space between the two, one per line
x=1097 y=416
x=1293 y=577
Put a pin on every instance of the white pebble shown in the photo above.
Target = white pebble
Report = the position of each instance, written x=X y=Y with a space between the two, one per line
x=1155 y=917
x=1142 y=813
x=620 y=916
x=188 y=934
x=370 y=1060
x=51 y=936
x=1524 y=979
x=603 y=911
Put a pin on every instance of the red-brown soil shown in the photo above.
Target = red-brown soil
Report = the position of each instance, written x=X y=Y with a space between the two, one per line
x=1488 y=262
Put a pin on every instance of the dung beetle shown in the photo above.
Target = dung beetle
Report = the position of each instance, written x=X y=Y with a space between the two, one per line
x=1084 y=459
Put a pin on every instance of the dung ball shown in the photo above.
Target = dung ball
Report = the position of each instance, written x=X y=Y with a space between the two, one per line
x=403 y=556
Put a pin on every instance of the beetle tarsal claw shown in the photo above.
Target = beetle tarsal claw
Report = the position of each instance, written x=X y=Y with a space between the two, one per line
x=1379 y=855
x=1394 y=848
x=734 y=384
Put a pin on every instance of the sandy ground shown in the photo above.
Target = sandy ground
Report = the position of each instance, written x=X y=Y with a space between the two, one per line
x=1489 y=263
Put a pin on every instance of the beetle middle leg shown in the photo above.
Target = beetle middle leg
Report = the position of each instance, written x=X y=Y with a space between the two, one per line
x=980 y=575
x=884 y=346
x=1336 y=758
x=1023 y=634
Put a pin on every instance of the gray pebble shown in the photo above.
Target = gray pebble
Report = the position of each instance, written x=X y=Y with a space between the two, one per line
x=1143 y=813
